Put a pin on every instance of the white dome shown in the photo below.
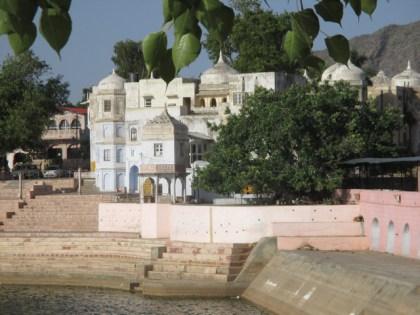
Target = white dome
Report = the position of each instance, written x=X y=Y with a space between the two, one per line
x=381 y=79
x=408 y=77
x=349 y=73
x=219 y=73
x=327 y=74
x=112 y=82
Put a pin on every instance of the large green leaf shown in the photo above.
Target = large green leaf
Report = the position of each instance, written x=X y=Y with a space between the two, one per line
x=338 y=48
x=167 y=67
x=369 y=6
x=5 y=23
x=330 y=10
x=154 y=49
x=187 y=23
x=24 y=40
x=167 y=14
x=296 y=45
x=177 y=7
x=60 y=4
x=56 y=27
x=357 y=6
x=23 y=9
x=307 y=21
x=185 y=50
x=210 y=5
x=314 y=62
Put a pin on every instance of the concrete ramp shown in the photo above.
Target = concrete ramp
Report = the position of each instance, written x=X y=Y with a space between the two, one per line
x=337 y=283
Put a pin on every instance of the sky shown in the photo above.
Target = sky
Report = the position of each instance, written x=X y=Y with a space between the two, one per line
x=99 y=24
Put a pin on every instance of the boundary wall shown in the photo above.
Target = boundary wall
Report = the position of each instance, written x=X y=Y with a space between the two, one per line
x=392 y=220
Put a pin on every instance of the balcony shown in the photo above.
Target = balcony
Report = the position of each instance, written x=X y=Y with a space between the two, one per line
x=62 y=134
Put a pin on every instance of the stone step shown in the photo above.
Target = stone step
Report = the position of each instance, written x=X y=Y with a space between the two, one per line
x=329 y=243
x=317 y=228
x=166 y=266
x=157 y=275
x=208 y=250
x=204 y=258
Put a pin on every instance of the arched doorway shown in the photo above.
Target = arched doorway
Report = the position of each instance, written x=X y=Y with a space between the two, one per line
x=375 y=234
x=134 y=179
x=406 y=240
x=391 y=238
x=120 y=182
x=148 y=190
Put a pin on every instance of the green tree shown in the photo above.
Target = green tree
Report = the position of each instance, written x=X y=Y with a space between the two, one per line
x=290 y=144
x=128 y=58
x=259 y=50
x=28 y=98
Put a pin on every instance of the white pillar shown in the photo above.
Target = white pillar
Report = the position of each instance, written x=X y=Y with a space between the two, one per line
x=184 y=189
x=173 y=190
x=157 y=189
x=20 y=195
x=140 y=188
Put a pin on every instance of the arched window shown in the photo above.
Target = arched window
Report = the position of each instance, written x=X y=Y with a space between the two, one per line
x=63 y=124
x=406 y=240
x=75 y=124
x=52 y=124
x=133 y=134
x=213 y=102
x=391 y=238
x=202 y=103
x=375 y=234
x=224 y=100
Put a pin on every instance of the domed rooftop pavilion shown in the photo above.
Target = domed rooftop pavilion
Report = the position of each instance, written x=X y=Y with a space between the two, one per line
x=219 y=73
x=340 y=72
x=408 y=78
x=112 y=82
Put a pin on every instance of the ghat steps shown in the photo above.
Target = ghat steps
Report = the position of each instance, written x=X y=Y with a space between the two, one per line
x=111 y=260
x=52 y=213
x=199 y=262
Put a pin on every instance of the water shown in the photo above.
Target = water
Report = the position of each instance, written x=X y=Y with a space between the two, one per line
x=31 y=300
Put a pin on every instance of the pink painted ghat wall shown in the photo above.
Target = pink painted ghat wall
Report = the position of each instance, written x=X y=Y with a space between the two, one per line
x=392 y=221
x=246 y=224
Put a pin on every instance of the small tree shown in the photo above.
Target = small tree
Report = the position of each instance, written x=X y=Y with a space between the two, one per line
x=128 y=58
x=290 y=144
x=28 y=98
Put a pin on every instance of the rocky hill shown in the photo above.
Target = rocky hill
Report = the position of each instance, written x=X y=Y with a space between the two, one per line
x=389 y=48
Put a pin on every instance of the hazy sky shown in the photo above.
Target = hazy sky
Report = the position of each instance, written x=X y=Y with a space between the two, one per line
x=98 y=24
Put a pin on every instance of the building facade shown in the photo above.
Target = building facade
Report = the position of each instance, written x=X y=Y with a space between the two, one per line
x=401 y=91
x=146 y=135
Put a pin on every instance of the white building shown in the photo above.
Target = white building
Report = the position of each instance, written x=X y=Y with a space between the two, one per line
x=146 y=135
x=402 y=91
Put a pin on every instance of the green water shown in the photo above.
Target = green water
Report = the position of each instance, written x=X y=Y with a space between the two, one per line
x=30 y=300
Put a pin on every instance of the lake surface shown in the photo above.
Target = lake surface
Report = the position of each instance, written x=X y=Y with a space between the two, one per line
x=31 y=300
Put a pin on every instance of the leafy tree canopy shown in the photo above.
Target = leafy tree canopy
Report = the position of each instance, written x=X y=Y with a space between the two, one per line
x=188 y=18
x=289 y=144
x=28 y=98
x=255 y=43
x=128 y=58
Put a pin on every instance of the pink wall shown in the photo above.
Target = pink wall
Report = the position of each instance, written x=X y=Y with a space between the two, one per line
x=398 y=207
x=155 y=220
x=119 y=217
x=246 y=224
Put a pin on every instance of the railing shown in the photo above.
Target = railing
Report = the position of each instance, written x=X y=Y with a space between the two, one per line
x=52 y=134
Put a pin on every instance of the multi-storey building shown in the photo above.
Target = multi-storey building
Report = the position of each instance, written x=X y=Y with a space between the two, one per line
x=146 y=135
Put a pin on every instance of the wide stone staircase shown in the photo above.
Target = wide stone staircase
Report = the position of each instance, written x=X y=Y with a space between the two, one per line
x=186 y=267
x=113 y=260
x=52 y=213
x=325 y=230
